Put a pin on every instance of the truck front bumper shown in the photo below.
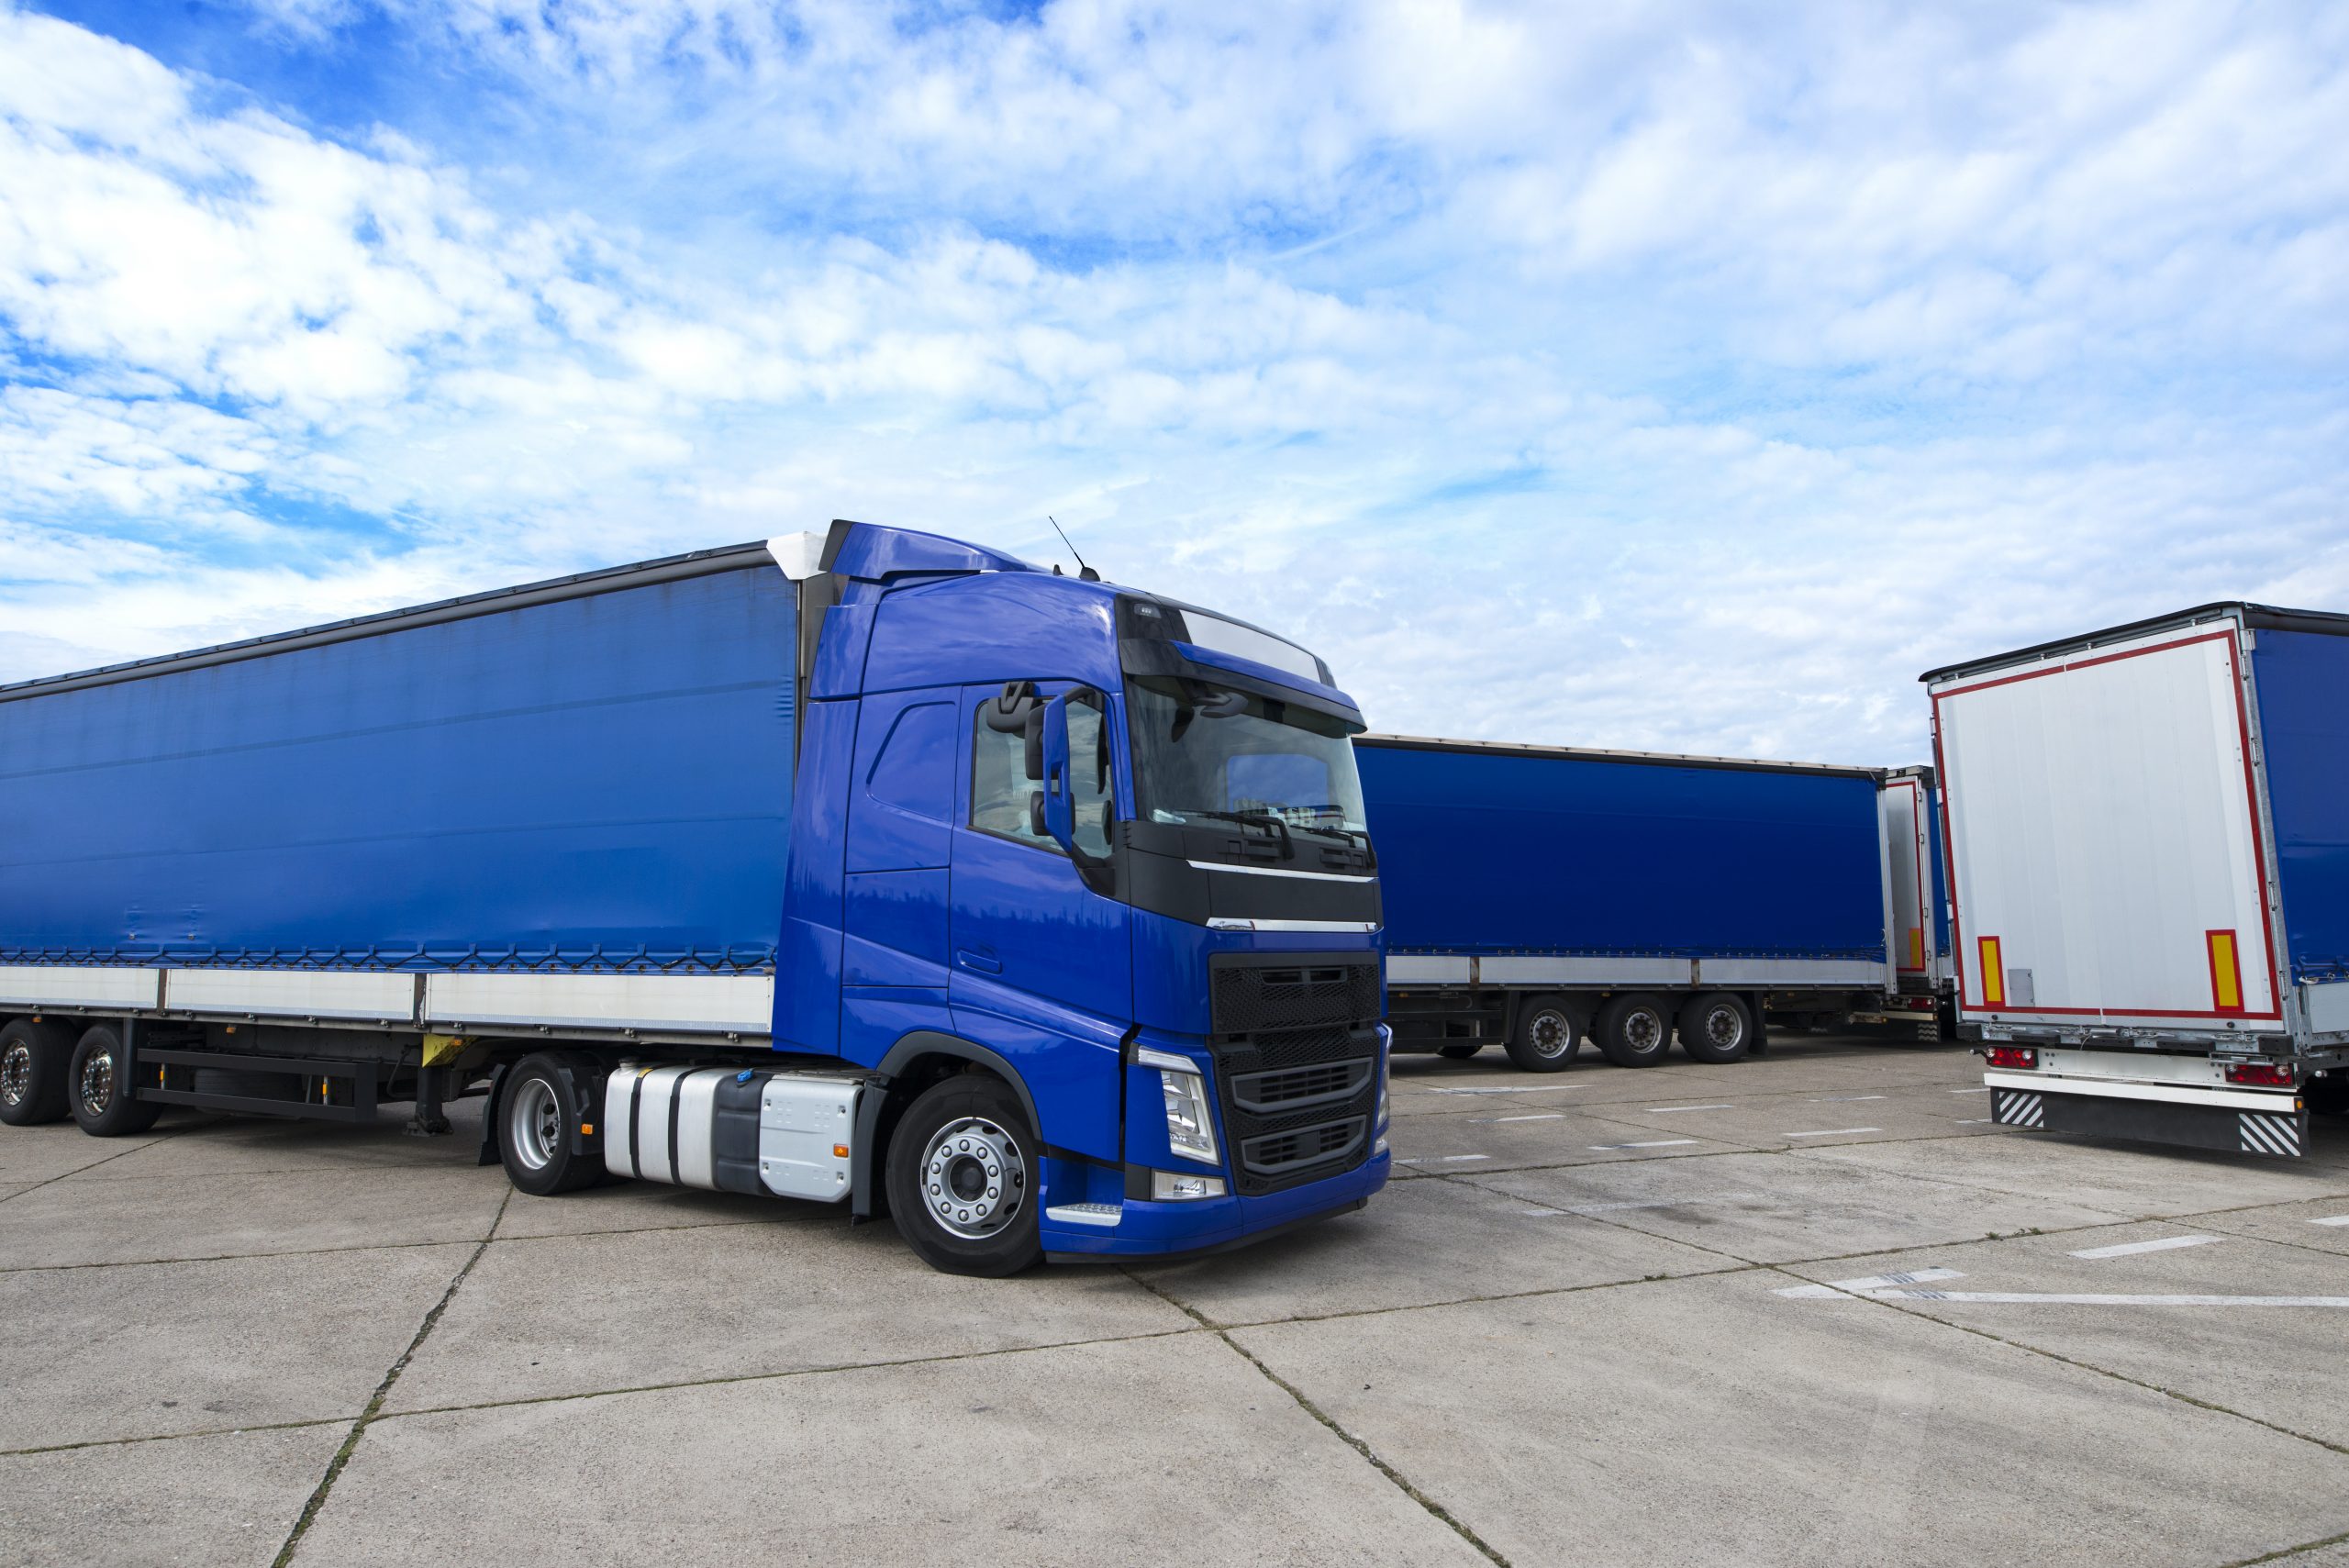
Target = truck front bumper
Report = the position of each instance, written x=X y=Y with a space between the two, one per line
x=2238 y=1121
x=1138 y=1228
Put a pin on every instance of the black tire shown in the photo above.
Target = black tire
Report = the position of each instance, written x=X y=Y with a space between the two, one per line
x=967 y=1141
x=1716 y=1026
x=540 y=1112
x=98 y=1088
x=1635 y=1030
x=33 y=1060
x=1546 y=1035
x=1459 y=1052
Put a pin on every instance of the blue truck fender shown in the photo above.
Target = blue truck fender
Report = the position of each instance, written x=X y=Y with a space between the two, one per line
x=902 y=1056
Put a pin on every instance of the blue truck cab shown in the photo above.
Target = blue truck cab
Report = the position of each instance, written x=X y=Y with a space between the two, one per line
x=1108 y=849
x=874 y=867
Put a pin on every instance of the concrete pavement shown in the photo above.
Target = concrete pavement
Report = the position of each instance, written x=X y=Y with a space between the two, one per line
x=1810 y=1308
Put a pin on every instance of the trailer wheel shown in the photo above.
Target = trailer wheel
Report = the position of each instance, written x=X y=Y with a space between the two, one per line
x=1461 y=1052
x=99 y=1091
x=536 y=1116
x=1634 y=1032
x=1716 y=1028
x=33 y=1058
x=963 y=1179
x=1546 y=1035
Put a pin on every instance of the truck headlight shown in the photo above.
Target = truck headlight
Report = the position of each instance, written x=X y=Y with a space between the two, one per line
x=1190 y=1128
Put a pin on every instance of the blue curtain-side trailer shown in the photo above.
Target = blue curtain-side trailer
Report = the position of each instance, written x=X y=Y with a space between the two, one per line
x=1539 y=896
x=872 y=868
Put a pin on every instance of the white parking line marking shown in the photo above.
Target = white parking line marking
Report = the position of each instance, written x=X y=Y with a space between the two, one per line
x=1442 y=1159
x=1868 y=1287
x=2024 y=1297
x=1536 y=1116
x=1844 y=1099
x=1659 y=1143
x=1983 y=1091
x=2129 y=1249
x=1509 y=1089
x=2331 y=1219
x=1652 y=1109
x=1900 y=1287
x=1975 y=1121
x=1834 y=1131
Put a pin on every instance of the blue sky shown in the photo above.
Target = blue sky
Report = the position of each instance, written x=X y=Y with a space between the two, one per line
x=1686 y=376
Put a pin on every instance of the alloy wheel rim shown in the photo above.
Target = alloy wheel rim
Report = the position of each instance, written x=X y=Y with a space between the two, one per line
x=1550 y=1033
x=535 y=1119
x=17 y=1074
x=973 y=1178
x=97 y=1083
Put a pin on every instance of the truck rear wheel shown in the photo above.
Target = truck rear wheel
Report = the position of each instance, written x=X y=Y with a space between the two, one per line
x=1546 y=1035
x=1634 y=1032
x=538 y=1113
x=963 y=1177
x=33 y=1058
x=1716 y=1026
x=99 y=1091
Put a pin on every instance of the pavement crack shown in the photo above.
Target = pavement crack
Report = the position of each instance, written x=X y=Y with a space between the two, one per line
x=168 y=1437
x=1396 y=1477
x=383 y=1391
x=142 y=1143
x=728 y=1379
x=2290 y=1551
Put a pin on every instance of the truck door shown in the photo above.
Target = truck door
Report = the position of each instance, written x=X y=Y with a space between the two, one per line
x=1041 y=968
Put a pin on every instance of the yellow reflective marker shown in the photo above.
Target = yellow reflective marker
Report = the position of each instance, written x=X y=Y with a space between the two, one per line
x=1994 y=979
x=2226 y=971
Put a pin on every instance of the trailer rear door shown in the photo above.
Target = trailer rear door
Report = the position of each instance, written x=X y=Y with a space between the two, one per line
x=1908 y=846
x=2106 y=837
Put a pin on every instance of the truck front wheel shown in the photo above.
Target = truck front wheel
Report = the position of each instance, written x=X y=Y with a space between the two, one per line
x=32 y=1073
x=537 y=1115
x=1716 y=1028
x=99 y=1091
x=1635 y=1031
x=963 y=1179
x=1546 y=1035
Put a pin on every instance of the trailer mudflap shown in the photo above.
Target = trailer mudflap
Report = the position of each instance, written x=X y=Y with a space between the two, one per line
x=2279 y=1133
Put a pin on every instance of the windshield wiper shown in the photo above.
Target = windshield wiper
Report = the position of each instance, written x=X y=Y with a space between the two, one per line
x=1254 y=818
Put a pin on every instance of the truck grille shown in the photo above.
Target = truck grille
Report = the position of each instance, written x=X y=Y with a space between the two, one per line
x=1297 y=1061
x=1243 y=999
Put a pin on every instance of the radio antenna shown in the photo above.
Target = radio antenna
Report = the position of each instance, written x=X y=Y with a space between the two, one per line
x=1084 y=573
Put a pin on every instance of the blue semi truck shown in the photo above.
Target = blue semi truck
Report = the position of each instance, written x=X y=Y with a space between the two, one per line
x=873 y=868
x=1541 y=895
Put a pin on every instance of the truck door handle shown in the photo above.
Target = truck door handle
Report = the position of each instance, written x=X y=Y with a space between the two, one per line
x=981 y=960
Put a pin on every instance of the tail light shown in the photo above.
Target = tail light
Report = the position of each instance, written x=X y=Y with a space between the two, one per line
x=2260 y=1074
x=2014 y=1056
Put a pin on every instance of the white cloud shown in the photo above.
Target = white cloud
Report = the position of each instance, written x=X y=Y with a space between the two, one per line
x=1683 y=376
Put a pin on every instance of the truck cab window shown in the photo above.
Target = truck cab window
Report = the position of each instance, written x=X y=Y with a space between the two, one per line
x=1088 y=755
x=1001 y=789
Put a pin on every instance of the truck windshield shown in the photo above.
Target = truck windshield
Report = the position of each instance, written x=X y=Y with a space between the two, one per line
x=1202 y=751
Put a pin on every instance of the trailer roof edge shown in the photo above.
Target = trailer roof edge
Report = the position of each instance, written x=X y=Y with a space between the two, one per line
x=2259 y=617
x=1600 y=754
x=553 y=590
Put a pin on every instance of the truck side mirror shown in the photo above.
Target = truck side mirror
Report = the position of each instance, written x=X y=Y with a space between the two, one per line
x=1050 y=738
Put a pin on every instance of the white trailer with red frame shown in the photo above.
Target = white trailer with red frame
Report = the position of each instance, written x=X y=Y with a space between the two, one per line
x=2147 y=834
